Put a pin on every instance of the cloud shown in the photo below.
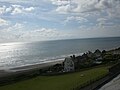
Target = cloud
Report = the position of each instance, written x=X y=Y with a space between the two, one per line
x=46 y=19
x=100 y=12
x=20 y=9
x=63 y=9
x=76 y=6
x=17 y=32
x=75 y=18
x=8 y=9
x=44 y=34
x=2 y=9
x=101 y=19
x=30 y=2
x=97 y=31
x=85 y=6
x=110 y=7
x=60 y=2
x=96 y=6
x=16 y=27
x=3 y=22
x=15 y=9
x=11 y=33
x=104 y=22
x=29 y=9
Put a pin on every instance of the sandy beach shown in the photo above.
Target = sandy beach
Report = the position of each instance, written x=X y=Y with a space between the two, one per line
x=27 y=68
x=112 y=85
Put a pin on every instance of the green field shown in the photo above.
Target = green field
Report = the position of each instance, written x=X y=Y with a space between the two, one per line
x=60 y=82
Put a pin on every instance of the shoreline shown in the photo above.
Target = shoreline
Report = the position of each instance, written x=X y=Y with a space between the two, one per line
x=44 y=61
x=28 y=68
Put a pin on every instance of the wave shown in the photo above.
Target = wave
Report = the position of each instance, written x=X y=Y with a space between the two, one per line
x=37 y=62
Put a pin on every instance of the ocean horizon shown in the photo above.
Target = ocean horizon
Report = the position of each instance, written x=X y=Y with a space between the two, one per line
x=19 y=54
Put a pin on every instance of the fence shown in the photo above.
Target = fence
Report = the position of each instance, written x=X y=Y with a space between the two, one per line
x=98 y=82
x=79 y=87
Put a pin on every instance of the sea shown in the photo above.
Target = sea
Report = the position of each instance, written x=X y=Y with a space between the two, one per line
x=18 y=54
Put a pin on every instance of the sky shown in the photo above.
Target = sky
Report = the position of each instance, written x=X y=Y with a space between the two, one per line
x=38 y=20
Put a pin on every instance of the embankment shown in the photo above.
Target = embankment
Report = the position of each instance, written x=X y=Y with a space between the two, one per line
x=96 y=84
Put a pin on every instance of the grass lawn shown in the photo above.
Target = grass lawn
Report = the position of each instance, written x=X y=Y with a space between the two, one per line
x=60 y=82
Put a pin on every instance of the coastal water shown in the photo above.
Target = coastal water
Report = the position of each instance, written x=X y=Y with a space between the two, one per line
x=20 y=54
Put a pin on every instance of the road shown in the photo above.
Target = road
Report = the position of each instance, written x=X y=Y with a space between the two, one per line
x=112 y=85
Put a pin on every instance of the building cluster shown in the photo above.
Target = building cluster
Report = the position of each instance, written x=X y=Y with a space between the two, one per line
x=86 y=60
x=90 y=59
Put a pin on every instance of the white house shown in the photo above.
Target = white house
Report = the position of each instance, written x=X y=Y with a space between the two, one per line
x=68 y=64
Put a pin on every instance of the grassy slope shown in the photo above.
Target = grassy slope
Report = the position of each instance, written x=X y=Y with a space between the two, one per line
x=61 y=82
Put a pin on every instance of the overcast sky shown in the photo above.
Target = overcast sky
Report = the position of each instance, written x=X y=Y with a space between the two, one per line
x=36 y=20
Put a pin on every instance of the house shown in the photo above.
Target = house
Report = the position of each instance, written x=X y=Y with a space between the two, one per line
x=85 y=57
x=116 y=52
x=97 y=53
x=68 y=64
x=98 y=60
x=89 y=54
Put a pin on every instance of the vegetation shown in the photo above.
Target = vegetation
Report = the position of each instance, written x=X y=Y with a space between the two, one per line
x=87 y=60
x=59 y=82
